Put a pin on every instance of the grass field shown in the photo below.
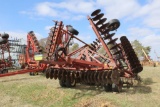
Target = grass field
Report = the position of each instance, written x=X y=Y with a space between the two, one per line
x=37 y=91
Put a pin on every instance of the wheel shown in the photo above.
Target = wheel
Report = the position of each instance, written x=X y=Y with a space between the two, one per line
x=33 y=74
x=154 y=64
x=138 y=79
x=117 y=88
x=108 y=87
x=23 y=66
x=113 y=24
x=6 y=71
x=72 y=30
x=62 y=82
x=5 y=36
x=2 y=71
x=3 y=41
x=70 y=83
x=30 y=73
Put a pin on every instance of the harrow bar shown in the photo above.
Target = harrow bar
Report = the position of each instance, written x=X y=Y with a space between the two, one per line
x=20 y=72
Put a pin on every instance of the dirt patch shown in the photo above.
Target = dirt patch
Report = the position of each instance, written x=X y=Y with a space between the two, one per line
x=94 y=103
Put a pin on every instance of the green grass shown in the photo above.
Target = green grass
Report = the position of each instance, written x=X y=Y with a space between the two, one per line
x=25 y=90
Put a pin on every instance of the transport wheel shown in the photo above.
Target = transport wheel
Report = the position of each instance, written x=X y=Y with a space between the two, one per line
x=62 y=82
x=117 y=88
x=31 y=73
x=3 y=41
x=108 y=87
x=72 y=30
x=5 y=36
x=6 y=71
x=113 y=24
x=70 y=83
x=2 y=71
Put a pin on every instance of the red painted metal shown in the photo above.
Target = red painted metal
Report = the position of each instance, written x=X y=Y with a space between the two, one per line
x=20 y=72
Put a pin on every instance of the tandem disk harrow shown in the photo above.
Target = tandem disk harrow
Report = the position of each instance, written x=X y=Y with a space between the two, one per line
x=90 y=66
x=119 y=64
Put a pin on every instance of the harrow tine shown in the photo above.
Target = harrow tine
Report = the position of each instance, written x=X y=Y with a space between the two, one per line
x=85 y=77
x=95 y=77
x=118 y=52
x=106 y=31
x=77 y=74
x=60 y=72
x=98 y=17
x=104 y=26
x=96 y=12
x=108 y=36
x=64 y=73
x=101 y=21
x=97 y=40
x=109 y=77
x=82 y=77
x=95 y=43
x=112 y=41
x=71 y=75
x=104 y=77
x=55 y=74
x=99 y=77
x=114 y=47
x=47 y=73
x=88 y=77
x=51 y=74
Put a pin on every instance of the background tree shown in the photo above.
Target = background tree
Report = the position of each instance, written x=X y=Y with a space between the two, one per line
x=102 y=51
x=137 y=46
x=74 y=47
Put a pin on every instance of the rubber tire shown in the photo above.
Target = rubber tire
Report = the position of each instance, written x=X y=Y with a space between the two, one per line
x=116 y=88
x=6 y=70
x=72 y=30
x=31 y=73
x=108 y=87
x=62 y=82
x=112 y=23
x=69 y=83
x=3 y=41
x=5 y=36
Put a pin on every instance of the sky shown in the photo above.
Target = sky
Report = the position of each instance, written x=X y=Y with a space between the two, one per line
x=140 y=19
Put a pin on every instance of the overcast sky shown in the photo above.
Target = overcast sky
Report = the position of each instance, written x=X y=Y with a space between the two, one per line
x=140 y=19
